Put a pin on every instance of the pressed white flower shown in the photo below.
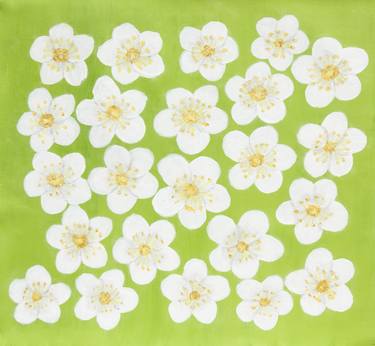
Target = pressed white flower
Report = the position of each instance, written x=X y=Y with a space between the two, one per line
x=207 y=50
x=131 y=54
x=242 y=246
x=125 y=178
x=191 y=190
x=259 y=159
x=191 y=117
x=111 y=113
x=194 y=293
x=331 y=145
x=263 y=302
x=36 y=297
x=49 y=120
x=322 y=283
x=145 y=248
x=78 y=240
x=312 y=209
x=57 y=181
x=260 y=94
x=330 y=72
x=105 y=298
x=62 y=55
x=279 y=41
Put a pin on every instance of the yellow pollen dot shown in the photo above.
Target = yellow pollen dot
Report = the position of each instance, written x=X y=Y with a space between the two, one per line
x=279 y=43
x=46 y=120
x=194 y=295
x=55 y=180
x=329 y=72
x=36 y=296
x=322 y=286
x=313 y=210
x=207 y=50
x=132 y=55
x=190 y=190
x=190 y=117
x=121 y=179
x=258 y=93
x=144 y=250
x=80 y=241
x=113 y=112
x=104 y=298
x=242 y=246
x=329 y=147
x=256 y=160
x=60 y=55
x=264 y=302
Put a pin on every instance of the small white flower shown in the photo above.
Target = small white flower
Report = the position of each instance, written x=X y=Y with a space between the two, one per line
x=331 y=145
x=322 y=283
x=241 y=247
x=330 y=72
x=312 y=209
x=57 y=181
x=125 y=178
x=145 y=248
x=131 y=54
x=62 y=55
x=260 y=94
x=49 y=120
x=207 y=50
x=191 y=190
x=191 y=117
x=111 y=113
x=263 y=302
x=105 y=298
x=78 y=240
x=260 y=159
x=37 y=298
x=194 y=293
x=279 y=40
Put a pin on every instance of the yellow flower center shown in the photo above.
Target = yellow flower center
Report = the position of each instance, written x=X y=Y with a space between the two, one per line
x=190 y=117
x=144 y=250
x=207 y=50
x=190 y=190
x=121 y=179
x=258 y=93
x=329 y=72
x=80 y=240
x=322 y=286
x=132 y=55
x=242 y=246
x=313 y=210
x=46 y=120
x=264 y=302
x=60 y=55
x=104 y=298
x=329 y=147
x=279 y=43
x=114 y=112
x=36 y=296
x=256 y=160
x=55 y=180
x=194 y=295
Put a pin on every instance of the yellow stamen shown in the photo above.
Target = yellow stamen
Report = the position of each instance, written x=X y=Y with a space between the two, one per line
x=104 y=298
x=46 y=120
x=264 y=302
x=242 y=246
x=194 y=295
x=313 y=210
x=113 y=112
x=132 y=55
x=60 y=55
x=256 y=160
x=258 y=93
x=144 y=250
x=36 y=296
x=329 y=72
x=207 y=51
x=80 y=241
x=329 y=147
x=121 y=179
x=55 y=180
x=190 y=190
x=279 y=43
x=322 y=286
x=190 y=117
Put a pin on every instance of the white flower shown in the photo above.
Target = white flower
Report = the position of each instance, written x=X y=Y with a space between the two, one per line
x=191 y=190
x=312 y=209
x=263 y=302
x=194 y=293
x=330 y=72
x=105 y=298
x=131 y=54
x=145 y=248
x=78 y=240
x=57 y=181
x=49 y=120
x=191 y=117
x=260 y=159
x=37 y=298
x=322 y=283
x=125 y=178
x=279 y=40
x=331 y=145
x=207 y=50
x=259 y=94
x=62 y=55
x=241 y=247
x=111 y=113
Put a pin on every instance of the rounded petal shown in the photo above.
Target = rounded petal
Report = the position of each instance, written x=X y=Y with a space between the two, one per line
x=264 y=135
x=140 y=274
x=27 y=124
x=195 y=269
x=116 y=155
x=258 y=70
x=218 y=286
x=145 y=187
x=133 y=225
x=67 y=132
x=108 y=320
x=103 y=226
x=284 y=86
x=259 y=49
x=205 y=166
x=85 y=45
x=302 y=67
x=326 y=46
x=212 y=72
x=94 y=256
x=285 y=157
x=164 y=230
x=285 y=303
x=99 y=181
x=240 y=179
x=100 y=135
x=343 y=269
x=300 y=188
x=75 y=215
x=68 y=261
x=192 y=143
x=218 y=121
x=357 y=59
x=245 y=269
x=317 y=258
x=76 y=73
x=309 y=134
x=244 y=311
x=219 y=260
x=233 y=86
x=219 y=228
x=327 y=189
x=342 y=301
x=120 y=251
x=61 y=292
x=152 y=42
x=349 y=89
x=61 y=30
x=270 y=183
x=120 y=201
x=133 y=131
x=42 y=140
x=243 y=115
x=192 y=219
x=206 y=313
x=165 y=204
x=357 y=138
x=50 y=313
x=37 y=273
x=51 y=73
x=124 y=32
x=311 y=306
x=218 y=199
x=234 y=143
x=247 y=289
x=295 y=281
x=78 y=192
x=40 y=49
x=86 y=283
x=33 y=184
x=337 y=219
x=307 y=235
x=209 y=94
x=172 y=285
x=271 y=249
x=266 y=321
x=104 y=89
x=175 y=96
x=129 y=299
x=24 y=315
x=285 y=213
x=315 y=165
x=107 y=53
x=154 y=68
x=288 y=24
x=125 y=75
x=317 y=97
x=255 y=221
x=169 y=261
x=84 y=310
x=114 y=277
x=217 y=30
x=137 y=99
x=88 y=113
x=141 y=161
x=164 y=125
x=274 y=114
x=53 y=204
x=281 y=63
x=229 y=51
x=187 y=62
x=301 y=43
x=62 y=106
x=188 y=37
x=266 y=25
x=173 y=167
x=179 y=312
x=16 y=290
x=39 y=100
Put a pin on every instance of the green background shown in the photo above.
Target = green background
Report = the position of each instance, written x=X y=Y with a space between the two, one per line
x=23 y=224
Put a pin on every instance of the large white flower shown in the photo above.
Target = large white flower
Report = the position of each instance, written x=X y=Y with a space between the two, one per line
x=78 y=240
x=241 y=247
x=279 y=40
x=37 y=298
x=312 y=209
x=322 y=283
x=125 y=178
x=131 y=54
x=260 y=94
x=331 y=145
x=191 y=117
x=260 y=159
x=111 y=113
x=194 y=293
x=105 y=298
x=145 y=248
x=57 y=181
x=263 y=302
x=207 y=50
x=62 y=55
x=191 y=190
x=330 y=72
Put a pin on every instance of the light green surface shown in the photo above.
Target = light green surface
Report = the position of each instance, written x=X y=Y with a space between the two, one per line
x=23 y=224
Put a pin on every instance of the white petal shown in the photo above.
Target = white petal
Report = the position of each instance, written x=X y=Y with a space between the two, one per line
x=217 y=122
x=219 y=260
x=108 y=320
x=103 y=226
x=264 y=135
x=116 y=155
x=172 y=285
x=317 y=258
x=189 y=37
x=356 y=57
x=99 y=181
x=40 y=50
x=212 y=72
x=133 y=225
x=52 y=204
x=120 y=201
x=342 y=301
x=206 y=313
x=247 y=289
x=164 y=203
x=348 y=90
x=51 y=73
x=270 y=183
x=229 y=51
x=68 y=261
x=192 y=143
x=317 y=97
x=209 y=94
x=187 y=62
x=239 y=178
x=245 y=269
x=164 y=125
x=285 y=157
x=164 y=230
x=62 y=106
x=84 y=309
x=233 y=86
x=358 y=140
x=255 y=221
x=259 y=69
x=120 y=251
x=75 y=215
x=142 y=275
x=285 y=213
x=300 y=188
x=288 y=24
x=94 y=255
x=326 y=188
x=338 y=218
x=152 y=42
x=266 y=25
x=42 y=140
x=315 y=165
x=86 y=283
x=295 y=281
x=176 y=96
x=107 y=53
x=326 y=46
x=125 y=74
x=281 y=63
x=41 y=161
x=141 y=161
x=274 y=114
x=104 y=89
x=76 y=73
x=85 y=45
x=302 y=68
x=259 y=49
x=67 y=132
x=244 y=311
x=234 y=143
x=61 y=292
x=169 y=261
x=307 y=235
x=271 y=249
x=219 y=228
x=284 y=86
x=301 y=42
x=133 y=131
x=33 y=184
x=136 y=98
x=218 y=286
x=113 y=277
x=16 y=290
x=311 y=306
x=88 y=113
x=309 y=134
x=24 y=315
x=285 y=303
x=39 y=100
x=54 y=236
x=218 y=199
x=129 y=299
x=77 y=192
x=266 y=321
x=179 y=312
x=195 y=269
x=145 y=187
x=27 y=124
x=192 y=219
x=101 y=136
x=61 y=30
x=124 y=32
x=153 y=69
x=273 y=283
x=243 y=115
x=343 y=269
x=205 y=166
x=37 y=273
x=217 y=30
x=173 y=167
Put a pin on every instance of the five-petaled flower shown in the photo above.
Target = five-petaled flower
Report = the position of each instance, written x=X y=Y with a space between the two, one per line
x=191 y=117
x=131 y=54
x=322 y=283
x=312 y=209
x=194 y=293
x=62 y=55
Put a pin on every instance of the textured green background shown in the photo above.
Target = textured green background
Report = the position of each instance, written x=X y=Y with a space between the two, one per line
x=23 y=224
